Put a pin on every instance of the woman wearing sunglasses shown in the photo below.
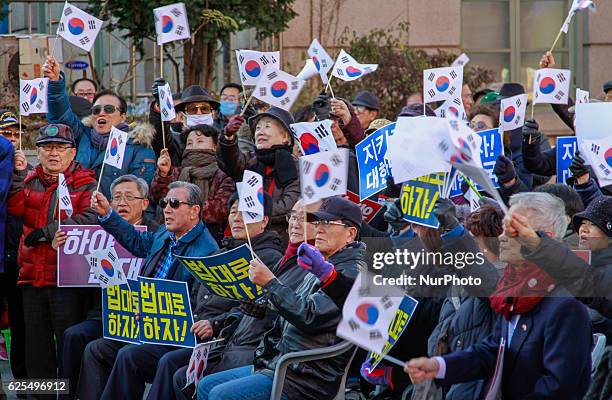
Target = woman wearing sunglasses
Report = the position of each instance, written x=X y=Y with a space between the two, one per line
x=92 y=134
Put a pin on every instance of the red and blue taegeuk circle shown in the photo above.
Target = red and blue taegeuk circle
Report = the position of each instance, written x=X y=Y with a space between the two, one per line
x=464 y=153
x=316 y=62
x=367 y=313
x=608 y=156
x=309 y=143
x=252 y=68
x=107 y=267
x=454 y=110
x=442 y=83
x=114 y=149
x=76 y=26
x=509 y=114
x=33 y=95
x=547 y=85
x=260 y=195
x=322 y=174
x=278 y=88
x=167 y=23
x=353 y=72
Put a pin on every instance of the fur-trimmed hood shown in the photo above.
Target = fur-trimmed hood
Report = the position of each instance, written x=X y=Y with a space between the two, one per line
x=141 y=133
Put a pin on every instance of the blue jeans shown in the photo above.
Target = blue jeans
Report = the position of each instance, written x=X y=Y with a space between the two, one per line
x=236 y=384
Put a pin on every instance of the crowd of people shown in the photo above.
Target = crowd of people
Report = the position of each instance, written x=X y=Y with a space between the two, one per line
x=545 y=309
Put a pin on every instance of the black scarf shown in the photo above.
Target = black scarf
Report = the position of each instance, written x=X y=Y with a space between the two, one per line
x=281 y=160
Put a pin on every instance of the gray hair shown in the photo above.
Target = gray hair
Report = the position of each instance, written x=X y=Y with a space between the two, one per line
x=141 y=184
x=194 y=194
x=547 y=211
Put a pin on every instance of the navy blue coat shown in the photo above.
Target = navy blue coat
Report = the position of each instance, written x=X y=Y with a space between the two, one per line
x=549 y=356
x=152 y=245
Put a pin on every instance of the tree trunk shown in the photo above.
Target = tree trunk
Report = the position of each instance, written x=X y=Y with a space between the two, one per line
x=199 y=61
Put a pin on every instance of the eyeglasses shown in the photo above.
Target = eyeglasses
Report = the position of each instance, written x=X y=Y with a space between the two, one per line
x=479 y=126
x=127 y=197
x=229 y=98
x=81 y=93
x=8 y=132
x=360 y=109
x=108 y=109
x=174 y=203
x=325 y=223
x=294 y=217
x=50 y=147
x=194 y=108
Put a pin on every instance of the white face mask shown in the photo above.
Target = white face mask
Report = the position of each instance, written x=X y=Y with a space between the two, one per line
x=193 y=120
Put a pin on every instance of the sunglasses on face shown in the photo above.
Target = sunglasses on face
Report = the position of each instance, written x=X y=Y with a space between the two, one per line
x=108 y=109
x=174 y=203
x=192 y=109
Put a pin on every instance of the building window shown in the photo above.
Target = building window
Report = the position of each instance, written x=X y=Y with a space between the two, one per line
x=510 y=36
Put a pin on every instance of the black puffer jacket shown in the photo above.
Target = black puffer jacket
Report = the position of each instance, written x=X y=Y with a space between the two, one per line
x=309 y=321
x=219 y=310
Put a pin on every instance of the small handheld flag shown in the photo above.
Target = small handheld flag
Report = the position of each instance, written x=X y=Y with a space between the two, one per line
x=251 y=197
x=321 y=59
x=278 y=88
x=166 y=103
x=252 y=64
x=33 y=96
x=105 y=264
x=442 y=83
x=512 y=112
x=582 y=96
x=78 y=27
x=65 y=203
x=313 y=137
x=348 y=69
x=461 y=60
x=198 y=362
x=452 y=109
x=323 y=174
x=599 y=153
x=115 y=148
x=171 y=23
x=551 y=86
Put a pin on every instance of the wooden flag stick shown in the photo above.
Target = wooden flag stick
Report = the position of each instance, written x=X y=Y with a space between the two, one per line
x=246 y=228
x=161 y=74
x=532 y=114
x=59 y=210
x=330 y=88
x=100 y=177
x=246 y=105
x=20 y=130
x=556 y=40
x=305 y=226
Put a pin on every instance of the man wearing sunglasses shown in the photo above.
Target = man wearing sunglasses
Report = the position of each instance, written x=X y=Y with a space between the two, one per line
x=92 y=134
x=308 y=317
x=183 y=234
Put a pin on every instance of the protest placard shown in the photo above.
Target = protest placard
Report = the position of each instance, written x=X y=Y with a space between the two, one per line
x=119 y=309
x=225 y=274
x=369 y=208
x=73 y=268
x=373 y=167
x=565 y=149
x=165 y=313
x=418 y=198
x=396 y=328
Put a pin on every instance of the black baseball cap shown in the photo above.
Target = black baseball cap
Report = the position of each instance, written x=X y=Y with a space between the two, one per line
x=337 y=208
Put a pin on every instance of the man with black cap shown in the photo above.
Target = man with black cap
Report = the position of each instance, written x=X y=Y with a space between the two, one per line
x=308 y=317
x=272 y=159
x=366 y=107
x=48 y=310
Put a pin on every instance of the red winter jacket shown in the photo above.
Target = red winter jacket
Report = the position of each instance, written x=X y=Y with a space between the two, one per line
x=34 y=199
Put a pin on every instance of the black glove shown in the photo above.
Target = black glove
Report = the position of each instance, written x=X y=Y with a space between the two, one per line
x=393 y=216
x=34 y=237
x=531 y=130
x=504 y=169
x=155 y=87
x=577 y=167
x=444 y=210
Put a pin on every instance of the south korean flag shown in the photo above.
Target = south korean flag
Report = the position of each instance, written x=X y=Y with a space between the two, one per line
x=33 y=96
x=441 y=84
x=251 y=197
x=551 y=86
x=323 y=174
x=512 y=112
x=314 y=137
x=599 y=154
x=78 y=27
x=171 y=23
x=452 y=109
x=252 y=64
x=166 y=103
x=321 y=59
x=115 y=148
x=107 y=267
x=65 y=203
x=348 y=69
x=278 y=88
x=582 y=96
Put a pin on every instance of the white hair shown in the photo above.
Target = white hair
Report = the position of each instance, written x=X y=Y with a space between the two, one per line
x=546 y=212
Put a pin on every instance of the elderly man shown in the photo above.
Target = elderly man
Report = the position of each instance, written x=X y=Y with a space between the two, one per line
x=366 y=108
x=48 y=310
x=544 y=338
x=308 y=317
x=91 y=136
x=183 y=234
x=85 y=88
x=129 y=200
